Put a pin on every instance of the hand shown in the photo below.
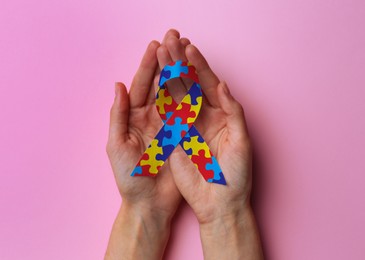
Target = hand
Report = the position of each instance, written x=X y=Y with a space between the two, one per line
x=227 y=138
x=142 y=227
x=134 y=122
x=227 y=224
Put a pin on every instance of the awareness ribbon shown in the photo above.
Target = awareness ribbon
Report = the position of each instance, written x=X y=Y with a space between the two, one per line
x=178 y=128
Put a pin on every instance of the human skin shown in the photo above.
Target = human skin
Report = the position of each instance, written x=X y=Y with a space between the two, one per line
x=142 y=227
x=227 y=224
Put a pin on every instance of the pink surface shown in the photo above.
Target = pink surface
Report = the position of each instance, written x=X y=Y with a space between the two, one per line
x=296 y=66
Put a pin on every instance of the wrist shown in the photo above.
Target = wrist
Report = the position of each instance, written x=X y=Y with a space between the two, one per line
x=138 y=233
x=222 y=209
x=146 y=212
x=221 y=223
x=145 y=222
x=232 y=236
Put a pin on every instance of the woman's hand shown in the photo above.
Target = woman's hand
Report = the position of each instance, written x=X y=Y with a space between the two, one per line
x=227 y=224
x=142 y=227
x=134 y=122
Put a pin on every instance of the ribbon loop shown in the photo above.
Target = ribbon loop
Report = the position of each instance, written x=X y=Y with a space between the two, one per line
x=178 y=128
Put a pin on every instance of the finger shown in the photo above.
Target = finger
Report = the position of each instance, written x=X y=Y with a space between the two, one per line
x=170 y=33
x=176 y=49
x=177 y=52
x=236 y=123
x=143 y=80
x=163 y=56
x=208 y=80
x=186 y=176
x=185 y=42
x=175 y=86
x=119 y=113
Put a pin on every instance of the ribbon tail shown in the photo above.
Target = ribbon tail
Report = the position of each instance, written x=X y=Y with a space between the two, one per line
x=199 y=153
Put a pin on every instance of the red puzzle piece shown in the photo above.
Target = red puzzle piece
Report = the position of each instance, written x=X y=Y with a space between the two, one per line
x=202 y=161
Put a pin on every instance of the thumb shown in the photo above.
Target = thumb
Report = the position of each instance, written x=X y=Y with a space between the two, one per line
x=236 y=123
x=186 y=176
x=119 y=115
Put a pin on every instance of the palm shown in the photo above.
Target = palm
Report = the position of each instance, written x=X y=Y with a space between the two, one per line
x=221 y=124
x=233 y=157
x=125 y=147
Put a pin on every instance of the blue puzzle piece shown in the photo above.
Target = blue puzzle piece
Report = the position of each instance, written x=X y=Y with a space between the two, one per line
x=221 y=179
x=166 y=151
x=195 y=93
x=168 y=115
x=177 y=128
x=164 y=76
x=137 y=171
x=218 y=175
x=194 y=132
x=162 y=134
x=175 y=71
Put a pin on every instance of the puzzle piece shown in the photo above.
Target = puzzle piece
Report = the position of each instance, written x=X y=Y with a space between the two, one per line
x=164 y=76
x=191 y=74
x=161 y=135
x=187 y=138
x=163 y=98
x=151 y=152
x=168 y=115
x=170 y=107
x=220 y=180
x=195 y=93
x=200 y=161
x=196 y=146
x=218 y=175
x=194 y=132
x=177 y=129
x=142 y=170
x=167 y=150
x=195 y=109
x=194 y=100
x=175 y=70
x=137 y=171
x=184 y=112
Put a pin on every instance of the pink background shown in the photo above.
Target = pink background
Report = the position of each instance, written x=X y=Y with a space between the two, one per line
x=298 y=67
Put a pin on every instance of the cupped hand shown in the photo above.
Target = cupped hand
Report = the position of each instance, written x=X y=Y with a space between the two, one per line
x=222 y=125
x=134 y=122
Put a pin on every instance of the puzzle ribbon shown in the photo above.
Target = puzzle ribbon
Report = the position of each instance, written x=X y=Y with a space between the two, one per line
x=178 y=128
